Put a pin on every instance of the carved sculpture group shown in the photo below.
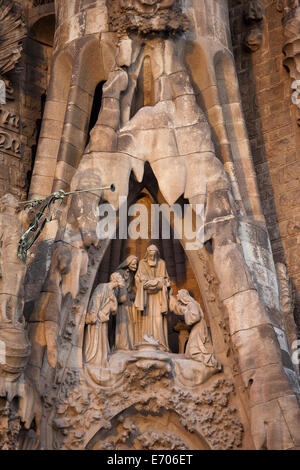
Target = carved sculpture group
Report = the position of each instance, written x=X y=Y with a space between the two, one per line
x=140 y=295
x=169 y=130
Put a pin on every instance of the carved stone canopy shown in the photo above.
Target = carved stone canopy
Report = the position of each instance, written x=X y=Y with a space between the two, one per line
x=147 y=16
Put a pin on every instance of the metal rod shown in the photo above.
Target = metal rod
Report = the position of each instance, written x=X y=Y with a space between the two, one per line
x=111 y=187
x=62 y=194
x=35 y=229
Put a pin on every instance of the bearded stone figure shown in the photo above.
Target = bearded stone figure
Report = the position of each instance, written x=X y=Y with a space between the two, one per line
x=126 y=321
x=152 y=284
x=199 y=346
x=103 y=303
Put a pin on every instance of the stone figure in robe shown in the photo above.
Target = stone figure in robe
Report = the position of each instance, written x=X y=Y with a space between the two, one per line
x=12 y=269
x=152 y=290
x=126 y=320
x=102 y=304
x=45 y=319
x=14 y=344
x=199 y=346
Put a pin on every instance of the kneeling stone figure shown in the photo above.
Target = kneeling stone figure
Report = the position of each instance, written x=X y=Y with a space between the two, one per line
x=199 y=346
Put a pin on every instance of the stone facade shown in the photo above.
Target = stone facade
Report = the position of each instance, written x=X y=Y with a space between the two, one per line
x=154 y=342
x=273 y=132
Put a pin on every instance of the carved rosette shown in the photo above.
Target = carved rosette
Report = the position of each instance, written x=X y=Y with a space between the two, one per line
x=291 y=48
x=147 y=16
x=12 y=31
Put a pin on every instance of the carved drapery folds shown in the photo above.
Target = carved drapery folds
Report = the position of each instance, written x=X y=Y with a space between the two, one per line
x=12 y=31
x=143 y=326
x=199 y=346
x=291 y=48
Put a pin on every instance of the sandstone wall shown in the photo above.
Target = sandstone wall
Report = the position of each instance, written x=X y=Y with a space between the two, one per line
x=273 y=131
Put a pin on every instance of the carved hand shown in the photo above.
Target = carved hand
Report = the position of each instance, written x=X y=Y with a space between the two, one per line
x=154 y=285
x=91 y=318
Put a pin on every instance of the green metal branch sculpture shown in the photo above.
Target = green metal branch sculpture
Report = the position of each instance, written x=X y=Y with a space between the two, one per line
x=35 y=229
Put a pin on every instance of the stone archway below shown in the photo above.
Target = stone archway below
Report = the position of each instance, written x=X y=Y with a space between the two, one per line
x=135 y=431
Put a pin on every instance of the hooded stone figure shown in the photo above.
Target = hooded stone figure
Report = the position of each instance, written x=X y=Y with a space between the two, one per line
x=102 y=304
x=152 y=284
x=126 y=320
x=199 y=346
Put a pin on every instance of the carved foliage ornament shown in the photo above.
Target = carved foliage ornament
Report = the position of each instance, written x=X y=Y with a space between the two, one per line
x=148 y=391
x=12 y=31
x=147 y=16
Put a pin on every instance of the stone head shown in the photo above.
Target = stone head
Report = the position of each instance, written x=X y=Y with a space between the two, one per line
x=117 y=281
x=183 y=296
x=8 y=203
x=62 y=258
x=132 y=263
x=152 y=255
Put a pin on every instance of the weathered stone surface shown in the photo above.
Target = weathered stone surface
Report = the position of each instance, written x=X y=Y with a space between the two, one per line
x=280 y=437
x=245 y=311
x=146 y=18
x=162 y=115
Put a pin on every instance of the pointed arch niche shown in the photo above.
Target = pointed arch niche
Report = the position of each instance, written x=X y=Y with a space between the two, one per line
x=171 y=250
